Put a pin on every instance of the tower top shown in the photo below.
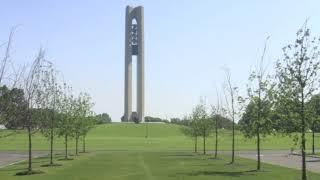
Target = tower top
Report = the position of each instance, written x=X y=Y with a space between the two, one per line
x=128 y=6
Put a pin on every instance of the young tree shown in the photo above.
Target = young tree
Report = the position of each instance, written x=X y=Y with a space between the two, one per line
x=50 y=97
x=89 y=123
x=313 y=114
x=205 y=125
x=256 y=118
x=256 y=122
x=82 y=110
x=297 y=78
x=190 y=128
x=201 y=122
x=33 y=97
x=65 y=113
x=216 y=114
x=231 y=98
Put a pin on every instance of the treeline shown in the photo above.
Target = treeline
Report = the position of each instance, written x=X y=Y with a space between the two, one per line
x=36 y=101
x=222 y=122
x=103 y=118
x=285 y=101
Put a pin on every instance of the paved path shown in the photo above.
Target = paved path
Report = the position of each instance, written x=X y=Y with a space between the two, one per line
x=282 y=158
x=11 y=157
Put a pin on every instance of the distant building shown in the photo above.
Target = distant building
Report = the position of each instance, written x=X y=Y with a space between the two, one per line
x=2 y=126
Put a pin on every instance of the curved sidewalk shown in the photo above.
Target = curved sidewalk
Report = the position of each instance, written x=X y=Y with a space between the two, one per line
x=283 y=158
x=11 y=157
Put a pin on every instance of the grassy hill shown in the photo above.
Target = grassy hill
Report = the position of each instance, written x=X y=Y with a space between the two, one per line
x=123 y=136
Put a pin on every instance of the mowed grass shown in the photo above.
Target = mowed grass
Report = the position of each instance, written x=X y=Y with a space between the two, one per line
x=135 y=165
x=162 y=137
x=121 y=152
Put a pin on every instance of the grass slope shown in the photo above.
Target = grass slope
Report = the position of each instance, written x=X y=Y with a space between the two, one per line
x=162 y=137
x=135 y=165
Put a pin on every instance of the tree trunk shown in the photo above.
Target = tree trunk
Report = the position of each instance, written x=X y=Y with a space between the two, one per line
x=258 y=148
x=258 y=125
x=66 y=146
x=147 y=129
x=233 y=113
x=313 y=146
x=303 y=140
x=84 y=144
x=30 y=149
x=303 y=143
x=232 y=158
x=77 y=141
x=51 y=147
x=216 y=144
x=204 y=144
x=195 y=144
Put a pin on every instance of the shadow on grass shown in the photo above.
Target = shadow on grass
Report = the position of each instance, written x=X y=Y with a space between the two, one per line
x=84 y=152
x=180 y=155
x=51 y=165
x=215 y=158
x=64 y=159
x=222 y=173
x=234 y=164
x=26 y=173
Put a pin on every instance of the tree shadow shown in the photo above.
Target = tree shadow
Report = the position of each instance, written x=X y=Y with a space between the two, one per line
x=215 y=158
x=222 y=173
x=64 y=159
x=313 y=160
x=180 y=155
x=51 y=165
x=28 y=173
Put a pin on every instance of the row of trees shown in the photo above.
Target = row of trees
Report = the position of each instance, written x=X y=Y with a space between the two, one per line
x=283 y=102
x=35 y=101
x=286 y=101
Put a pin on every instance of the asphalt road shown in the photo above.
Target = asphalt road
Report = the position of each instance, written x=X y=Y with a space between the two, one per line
x=11 y=157
x=283 y=158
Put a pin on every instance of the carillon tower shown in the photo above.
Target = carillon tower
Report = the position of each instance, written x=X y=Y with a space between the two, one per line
x=134 y=46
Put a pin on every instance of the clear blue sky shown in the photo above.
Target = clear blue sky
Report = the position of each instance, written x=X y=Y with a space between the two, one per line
x=187 y=43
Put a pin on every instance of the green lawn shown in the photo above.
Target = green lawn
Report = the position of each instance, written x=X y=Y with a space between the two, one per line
x=161 y=137
x=121 y=151
x=134 y=165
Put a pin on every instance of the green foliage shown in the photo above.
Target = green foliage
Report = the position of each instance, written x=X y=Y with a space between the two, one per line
x=83 y=115
x=249 y=120
x=154 y=119
x=298 y=79
x=184 y=121
x=103 y=118
x=12 y=103
x=313 y=113
x=223 y=122
x=190 y=128
x=65 y=109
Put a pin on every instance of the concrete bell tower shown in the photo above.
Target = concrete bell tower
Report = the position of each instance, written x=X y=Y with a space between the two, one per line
x=134 y=46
